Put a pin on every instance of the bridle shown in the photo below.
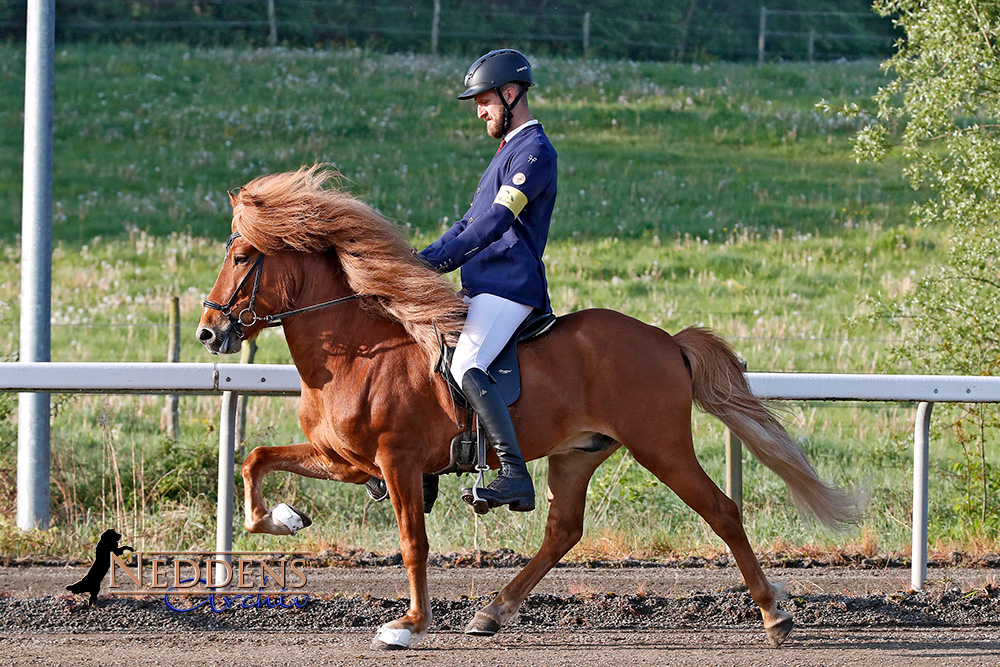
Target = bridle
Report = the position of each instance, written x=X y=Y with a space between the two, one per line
x=238 y=321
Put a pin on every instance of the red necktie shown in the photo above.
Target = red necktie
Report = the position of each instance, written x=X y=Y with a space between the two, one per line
x=501 y=145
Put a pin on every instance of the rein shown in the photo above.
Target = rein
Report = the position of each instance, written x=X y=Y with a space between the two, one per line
x=237 y=321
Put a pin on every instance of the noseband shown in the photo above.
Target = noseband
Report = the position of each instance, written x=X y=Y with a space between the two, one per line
x=238 y=321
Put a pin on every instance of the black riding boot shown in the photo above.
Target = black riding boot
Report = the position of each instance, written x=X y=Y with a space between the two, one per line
x=513 y=485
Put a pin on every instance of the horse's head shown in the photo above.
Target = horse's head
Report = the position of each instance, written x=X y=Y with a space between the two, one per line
x=243 y=297
x=300 y=246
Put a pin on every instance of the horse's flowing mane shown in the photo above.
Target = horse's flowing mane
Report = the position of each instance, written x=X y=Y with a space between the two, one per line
x=297 y=211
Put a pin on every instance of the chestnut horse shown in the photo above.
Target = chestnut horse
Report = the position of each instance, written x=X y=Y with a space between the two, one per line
x=371 y=405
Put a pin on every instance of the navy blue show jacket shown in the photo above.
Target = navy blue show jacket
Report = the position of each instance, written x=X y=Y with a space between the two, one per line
x=500 y=241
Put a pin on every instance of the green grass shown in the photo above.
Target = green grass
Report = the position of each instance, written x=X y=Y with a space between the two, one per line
x=153 y=137
x=688 y=194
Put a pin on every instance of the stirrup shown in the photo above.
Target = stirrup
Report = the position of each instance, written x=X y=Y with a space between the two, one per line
x=516 y=493
x=479 y=504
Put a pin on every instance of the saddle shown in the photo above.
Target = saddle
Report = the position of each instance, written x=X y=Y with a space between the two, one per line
x=506 y=372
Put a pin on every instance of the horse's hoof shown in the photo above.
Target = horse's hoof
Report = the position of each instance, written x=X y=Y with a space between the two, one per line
x=306 y=521
x=483 y=625
x=778 y=632
x=376 y=489
x=392 y=639
x=290 y=517
x=430 y=492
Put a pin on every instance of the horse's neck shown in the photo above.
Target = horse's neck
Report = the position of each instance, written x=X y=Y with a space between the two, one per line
x=342 y=335
x=330 y=343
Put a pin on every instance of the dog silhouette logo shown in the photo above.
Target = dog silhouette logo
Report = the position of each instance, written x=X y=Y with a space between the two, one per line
x=91 y=583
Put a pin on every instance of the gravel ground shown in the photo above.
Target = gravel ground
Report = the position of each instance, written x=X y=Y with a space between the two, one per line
x=557 y=647
x=690 y=613
x=939 y=606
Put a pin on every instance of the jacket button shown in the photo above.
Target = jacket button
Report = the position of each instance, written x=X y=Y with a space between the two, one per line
x=478 y=190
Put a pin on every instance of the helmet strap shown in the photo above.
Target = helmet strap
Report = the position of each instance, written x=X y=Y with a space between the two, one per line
x=508 y=109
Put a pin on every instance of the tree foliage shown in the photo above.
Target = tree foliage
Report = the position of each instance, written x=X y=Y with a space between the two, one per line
x=942 y=112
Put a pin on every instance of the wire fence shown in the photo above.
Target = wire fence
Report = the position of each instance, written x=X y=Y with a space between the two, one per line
x=631 y=29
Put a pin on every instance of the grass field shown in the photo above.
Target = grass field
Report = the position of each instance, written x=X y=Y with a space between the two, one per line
x=688 y=194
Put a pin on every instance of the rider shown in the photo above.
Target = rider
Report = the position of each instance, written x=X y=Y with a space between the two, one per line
x=499 y=244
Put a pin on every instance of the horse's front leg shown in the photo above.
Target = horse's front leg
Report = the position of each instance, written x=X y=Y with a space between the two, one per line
x=405 y=484
x=302 y=459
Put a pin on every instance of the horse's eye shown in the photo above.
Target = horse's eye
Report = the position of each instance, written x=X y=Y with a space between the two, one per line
x=240 y=259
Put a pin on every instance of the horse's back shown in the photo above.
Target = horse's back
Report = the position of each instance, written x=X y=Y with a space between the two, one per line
x=609 y=334
x=598 y=365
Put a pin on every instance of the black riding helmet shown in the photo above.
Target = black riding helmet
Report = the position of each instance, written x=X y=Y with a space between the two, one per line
x=495 y=70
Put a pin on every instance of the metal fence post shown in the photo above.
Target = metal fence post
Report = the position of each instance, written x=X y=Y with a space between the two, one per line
x=734 y=464
x=921 y=452
x=33 y=465
x=246 y=357
x=227 y=451
x=734 y=470
x=171 y=411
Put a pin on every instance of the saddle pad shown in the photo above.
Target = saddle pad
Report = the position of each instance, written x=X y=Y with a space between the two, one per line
x=505 y=369
x=506 y=372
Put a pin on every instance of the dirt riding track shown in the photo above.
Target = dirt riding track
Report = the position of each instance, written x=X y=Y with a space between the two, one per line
x=641 y=614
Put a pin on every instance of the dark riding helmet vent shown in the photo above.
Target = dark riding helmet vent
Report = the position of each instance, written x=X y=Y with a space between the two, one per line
x=495 y=70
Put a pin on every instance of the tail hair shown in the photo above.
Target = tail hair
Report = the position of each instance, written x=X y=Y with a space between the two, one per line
x=721 y=389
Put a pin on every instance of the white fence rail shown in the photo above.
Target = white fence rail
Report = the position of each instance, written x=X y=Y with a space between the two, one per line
x=231 y=379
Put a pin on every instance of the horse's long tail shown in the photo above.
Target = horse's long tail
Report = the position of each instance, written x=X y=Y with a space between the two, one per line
x=721 y=389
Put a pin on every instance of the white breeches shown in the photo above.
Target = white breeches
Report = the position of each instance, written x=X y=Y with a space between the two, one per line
x=491 y=321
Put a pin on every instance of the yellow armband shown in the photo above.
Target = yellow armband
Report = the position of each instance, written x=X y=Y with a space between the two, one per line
x=512 y=198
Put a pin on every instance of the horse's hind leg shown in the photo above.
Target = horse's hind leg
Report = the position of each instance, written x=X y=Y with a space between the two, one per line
x=569 y=474
x=674 y=463
x=302 y=459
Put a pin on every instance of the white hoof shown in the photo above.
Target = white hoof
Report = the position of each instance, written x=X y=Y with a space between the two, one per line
x=286 y=516
x=392 y=639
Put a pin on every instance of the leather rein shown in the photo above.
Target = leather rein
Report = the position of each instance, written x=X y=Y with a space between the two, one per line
x=237 y=321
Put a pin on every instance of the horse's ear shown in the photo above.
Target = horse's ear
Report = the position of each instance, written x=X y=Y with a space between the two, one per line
x=232 y=198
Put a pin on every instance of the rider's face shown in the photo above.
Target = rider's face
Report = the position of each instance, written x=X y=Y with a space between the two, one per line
x=490 y=110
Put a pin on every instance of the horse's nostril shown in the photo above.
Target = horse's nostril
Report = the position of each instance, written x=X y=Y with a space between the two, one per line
x=205 y=335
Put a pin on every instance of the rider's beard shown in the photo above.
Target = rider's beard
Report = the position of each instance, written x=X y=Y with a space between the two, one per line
x=494 y=126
